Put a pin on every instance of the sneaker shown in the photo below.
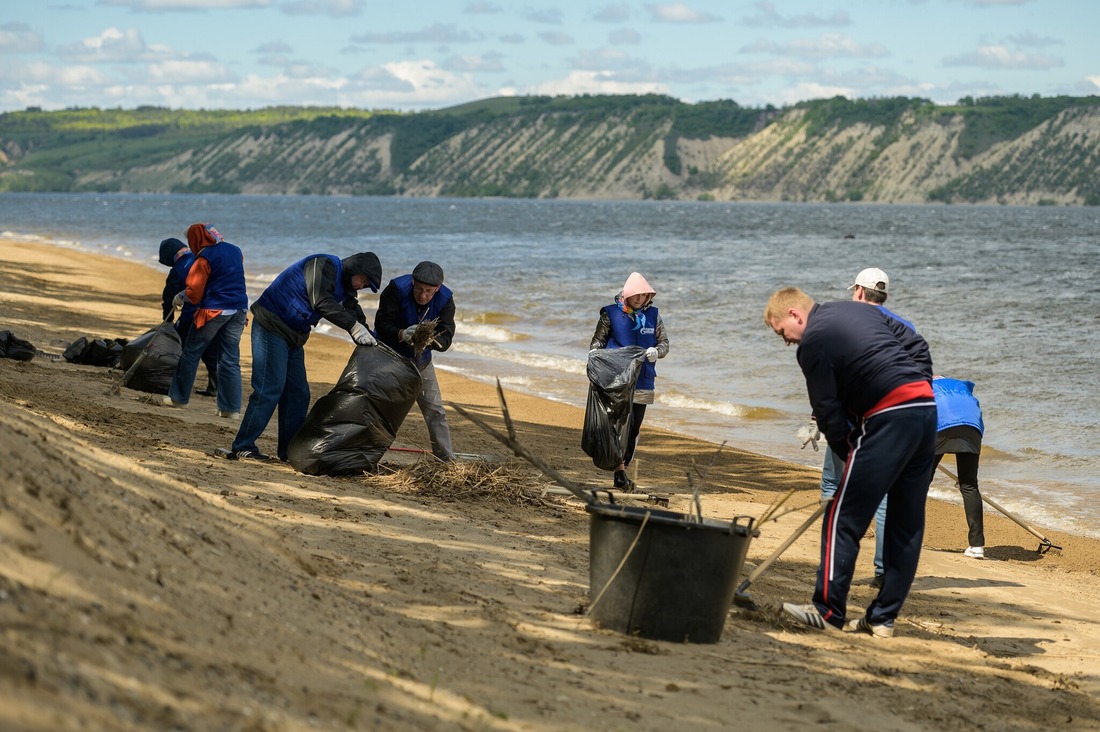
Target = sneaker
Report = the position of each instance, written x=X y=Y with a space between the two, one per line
x=975 y=552
x=807 y=615
x=863 y=625
x=235 y=416
x=876 y=582
x=170 y=402
x=249 y=455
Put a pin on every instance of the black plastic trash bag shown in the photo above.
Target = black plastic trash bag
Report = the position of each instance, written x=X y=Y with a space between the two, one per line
x=612 y=376
x=15 y=348
x=348 y=431
x=158 y=366
x=95 y=352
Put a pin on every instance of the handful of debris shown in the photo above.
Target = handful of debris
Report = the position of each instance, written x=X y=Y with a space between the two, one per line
x=423 y=335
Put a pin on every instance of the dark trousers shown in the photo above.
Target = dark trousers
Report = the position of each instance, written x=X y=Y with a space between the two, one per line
x=967 y=465
x=892 y=456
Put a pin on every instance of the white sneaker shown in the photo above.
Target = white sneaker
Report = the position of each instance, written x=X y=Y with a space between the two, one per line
x=975 y=552
x=170 y=402
x=235 y=416
x=807 y=615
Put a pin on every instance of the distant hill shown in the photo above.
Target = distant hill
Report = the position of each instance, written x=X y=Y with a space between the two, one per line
x=1008 y=150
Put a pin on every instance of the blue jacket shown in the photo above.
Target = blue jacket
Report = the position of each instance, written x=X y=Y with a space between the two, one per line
x=288 y=298
x=956 y=405
x=397 y=310
x=225 y=288
x=625 y=333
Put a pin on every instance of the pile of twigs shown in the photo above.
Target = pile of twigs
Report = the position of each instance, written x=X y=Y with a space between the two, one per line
x=476 y=480
x=423 y=335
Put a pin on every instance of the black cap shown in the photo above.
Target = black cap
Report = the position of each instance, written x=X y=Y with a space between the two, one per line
x=168 y=249
x=429 y=273
x=363 y=263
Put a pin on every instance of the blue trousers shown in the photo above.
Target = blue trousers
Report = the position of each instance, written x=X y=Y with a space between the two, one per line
x=892 y=457
x=830 y=477
x=223 y=333
x=278 y=382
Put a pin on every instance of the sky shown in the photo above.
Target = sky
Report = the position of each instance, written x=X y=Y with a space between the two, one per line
x=414 y=55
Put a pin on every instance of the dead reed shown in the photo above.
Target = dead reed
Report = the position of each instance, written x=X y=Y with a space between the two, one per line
x=474 y=480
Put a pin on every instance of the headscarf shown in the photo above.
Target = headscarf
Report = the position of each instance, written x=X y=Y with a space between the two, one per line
x=200 y=236
x=636 y=285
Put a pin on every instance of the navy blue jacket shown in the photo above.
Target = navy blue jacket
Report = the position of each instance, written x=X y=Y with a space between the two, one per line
x=853 y=356
x=397 y=310
x=625 y=333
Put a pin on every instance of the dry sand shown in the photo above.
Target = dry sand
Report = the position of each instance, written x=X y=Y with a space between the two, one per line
x=145 y=584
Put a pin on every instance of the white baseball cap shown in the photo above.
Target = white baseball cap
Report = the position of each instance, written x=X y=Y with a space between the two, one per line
x=872 y=278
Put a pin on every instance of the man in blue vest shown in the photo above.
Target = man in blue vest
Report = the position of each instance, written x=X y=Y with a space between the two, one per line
x=216 y=287
x=868 y=378
x=406 y=302
x=318 y=286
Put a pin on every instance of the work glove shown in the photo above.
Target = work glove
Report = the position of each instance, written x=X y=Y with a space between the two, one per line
x=179 y=300
x=361 y=335
x=809 y=434
x=651 y=354
x=408 y=334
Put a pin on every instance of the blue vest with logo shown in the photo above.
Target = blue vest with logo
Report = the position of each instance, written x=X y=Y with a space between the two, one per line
x=413 y=313
x=225 y=289
x=956 y=405
x=624 y=332
x=287 y=296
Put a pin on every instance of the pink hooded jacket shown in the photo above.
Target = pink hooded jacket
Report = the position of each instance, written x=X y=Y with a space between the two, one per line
x=637 y=285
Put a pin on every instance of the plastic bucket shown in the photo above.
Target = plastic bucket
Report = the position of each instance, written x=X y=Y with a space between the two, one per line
x=678 y=580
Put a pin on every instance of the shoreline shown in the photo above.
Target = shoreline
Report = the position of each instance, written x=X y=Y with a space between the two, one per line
x=146 y=584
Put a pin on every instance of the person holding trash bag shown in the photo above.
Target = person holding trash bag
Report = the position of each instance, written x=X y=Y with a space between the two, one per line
x=215 y=285
x=408 y=302
x=315 y=287
x=959 y=430
x=177 y=256
x=868 y=378
x=633 y=320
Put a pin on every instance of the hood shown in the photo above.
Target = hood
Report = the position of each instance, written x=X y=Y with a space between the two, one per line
x=200 y=236
x=637 y=285
x=364 y=263
x=168 y=249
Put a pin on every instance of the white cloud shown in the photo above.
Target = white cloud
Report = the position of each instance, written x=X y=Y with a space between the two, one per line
x=619 y=13
x=158 y=6
x=624 y=37
x=435 y=33
x=828 y=45
x=556 y=38
x=112 y=45
x=547 y=16
x=594 y=82
x=767 y=15
x=186 y=72
x=19 y=38
x=331 y=8
x=1002 y=57
x=602 y=60
x=679 y=13
x=464 y=62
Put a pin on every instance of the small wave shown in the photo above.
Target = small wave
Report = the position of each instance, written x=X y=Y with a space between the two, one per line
x=728 y=409
x=495 y=318
x=479 y=331
x=559 y=364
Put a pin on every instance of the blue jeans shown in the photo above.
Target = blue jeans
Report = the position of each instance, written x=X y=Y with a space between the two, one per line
x=223 y=333
x=278 y=381
x=830 y=478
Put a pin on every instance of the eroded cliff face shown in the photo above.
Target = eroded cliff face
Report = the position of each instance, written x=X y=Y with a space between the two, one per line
x=633 y=157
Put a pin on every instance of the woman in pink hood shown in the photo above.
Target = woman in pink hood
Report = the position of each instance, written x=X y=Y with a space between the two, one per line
x=633 y=320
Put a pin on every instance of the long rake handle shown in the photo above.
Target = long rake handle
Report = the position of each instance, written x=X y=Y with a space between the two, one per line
x=763 y=566
x=1003 y=510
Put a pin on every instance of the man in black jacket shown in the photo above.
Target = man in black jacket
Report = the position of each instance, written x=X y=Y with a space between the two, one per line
x=865 y=369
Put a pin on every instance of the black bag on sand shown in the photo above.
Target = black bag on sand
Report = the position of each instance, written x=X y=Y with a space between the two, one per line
x=348 y=431
x=15 y=348
x=154 y=373
x=612 y=376
x=95 y=352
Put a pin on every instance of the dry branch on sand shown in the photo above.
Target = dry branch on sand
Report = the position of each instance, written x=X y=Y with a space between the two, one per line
x=466 y=481
x=423 y=335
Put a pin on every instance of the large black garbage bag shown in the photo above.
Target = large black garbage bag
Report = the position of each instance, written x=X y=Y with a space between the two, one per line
x=16 y=348
x=348 y=431
x=95 y=351
x=612 y=376
x=155 y=371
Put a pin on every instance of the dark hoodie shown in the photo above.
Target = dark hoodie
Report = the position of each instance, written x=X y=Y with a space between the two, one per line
x=364 y=263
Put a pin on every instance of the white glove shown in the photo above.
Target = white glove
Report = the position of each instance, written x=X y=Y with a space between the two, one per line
x=361 y=335
x=179 y=300
x=809 y=434
x=651 y=354
x=408 y=334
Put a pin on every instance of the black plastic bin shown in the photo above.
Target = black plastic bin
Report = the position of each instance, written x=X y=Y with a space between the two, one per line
x=677 y=583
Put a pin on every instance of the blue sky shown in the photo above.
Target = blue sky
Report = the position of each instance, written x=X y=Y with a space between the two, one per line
x=429 y=54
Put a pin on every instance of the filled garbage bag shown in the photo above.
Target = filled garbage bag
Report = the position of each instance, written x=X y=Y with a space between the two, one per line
x=612 y=376
x=95 y=351
x=155 y=370
x=15 y=348
x=348 y=431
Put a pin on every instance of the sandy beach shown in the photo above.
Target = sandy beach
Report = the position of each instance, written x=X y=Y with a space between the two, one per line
x=147 y=585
